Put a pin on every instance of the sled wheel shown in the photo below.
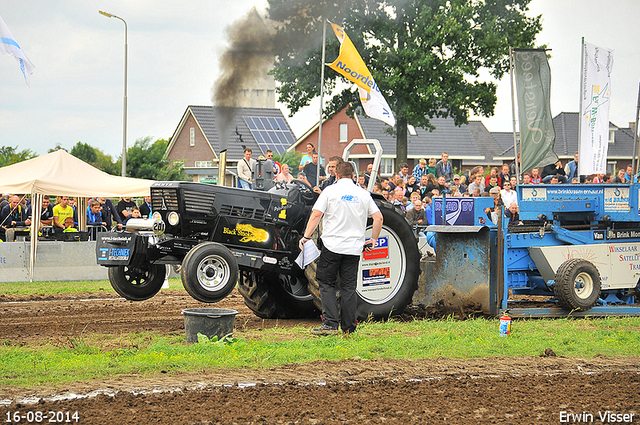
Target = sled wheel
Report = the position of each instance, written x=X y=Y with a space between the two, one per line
x=209 y=272
x=137 y=283
x=577 y=285
x=277 y=296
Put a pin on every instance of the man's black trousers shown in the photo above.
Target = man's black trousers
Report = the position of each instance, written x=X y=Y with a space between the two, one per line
x=332 y=266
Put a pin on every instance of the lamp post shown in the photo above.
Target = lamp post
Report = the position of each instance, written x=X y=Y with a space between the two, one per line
x=124 y=117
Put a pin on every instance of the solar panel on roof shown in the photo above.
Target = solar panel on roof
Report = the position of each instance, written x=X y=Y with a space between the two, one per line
x=270 y=133
x=250 y=123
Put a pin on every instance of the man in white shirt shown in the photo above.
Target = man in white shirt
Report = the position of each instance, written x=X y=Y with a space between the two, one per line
x=508 y=195
x=245 y=167
x=344 y=208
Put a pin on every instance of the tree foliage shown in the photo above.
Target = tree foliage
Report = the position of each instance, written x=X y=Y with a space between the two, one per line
x=57 y=147
x=105 y=163
x=425 y=55
x=146 y=160
x=10 y=155
x=291 y=158
x=85 y=152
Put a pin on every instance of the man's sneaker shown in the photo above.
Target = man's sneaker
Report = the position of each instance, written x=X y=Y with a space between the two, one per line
x=324 y=330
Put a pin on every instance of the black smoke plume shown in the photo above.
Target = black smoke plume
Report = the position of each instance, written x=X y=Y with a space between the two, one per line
x=248 y=57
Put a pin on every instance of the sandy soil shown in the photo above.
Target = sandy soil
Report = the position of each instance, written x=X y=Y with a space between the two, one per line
x=497 y=390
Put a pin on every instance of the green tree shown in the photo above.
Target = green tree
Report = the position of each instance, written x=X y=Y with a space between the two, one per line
x=425 y=55
x=85 y=152
x=105 y=163
x=56 y=148
x=95 y=157
x=10 y=155
x=146 y=160
x=291 y=158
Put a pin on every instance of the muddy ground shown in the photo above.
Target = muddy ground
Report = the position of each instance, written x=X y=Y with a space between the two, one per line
x=523 y=390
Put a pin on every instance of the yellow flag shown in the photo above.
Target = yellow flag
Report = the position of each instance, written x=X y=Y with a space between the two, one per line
x=350 y=65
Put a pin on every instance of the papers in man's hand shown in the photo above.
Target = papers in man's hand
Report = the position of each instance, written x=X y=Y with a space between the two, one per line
x=308 y=254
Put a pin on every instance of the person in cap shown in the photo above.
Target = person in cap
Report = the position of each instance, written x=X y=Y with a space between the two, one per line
x=458 y=182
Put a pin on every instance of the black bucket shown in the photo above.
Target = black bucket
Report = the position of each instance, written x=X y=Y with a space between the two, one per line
x=208 y=321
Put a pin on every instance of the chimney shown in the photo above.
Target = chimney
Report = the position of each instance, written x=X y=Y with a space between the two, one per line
x=632 y=125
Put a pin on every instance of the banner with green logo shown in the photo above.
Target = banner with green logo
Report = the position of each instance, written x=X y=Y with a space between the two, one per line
x=533 y=84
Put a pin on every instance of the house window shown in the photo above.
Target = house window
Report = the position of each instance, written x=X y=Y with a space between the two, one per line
x=192 y=136
x=386 y=167
x=612 y=135
x=412 y=130
x=344 y=134
x=611 y=167
x=203 y=164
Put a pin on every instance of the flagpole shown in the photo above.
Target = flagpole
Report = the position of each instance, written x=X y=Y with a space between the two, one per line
x=635 y=137
x=513 y=112
x=580 y=159
x=324 y=38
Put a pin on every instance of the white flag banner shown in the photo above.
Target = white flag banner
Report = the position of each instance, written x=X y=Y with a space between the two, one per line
x=597 y=63
x=9 y=46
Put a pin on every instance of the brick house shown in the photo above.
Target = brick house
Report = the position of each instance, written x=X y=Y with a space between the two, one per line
x=197 y=139
x=464 y=144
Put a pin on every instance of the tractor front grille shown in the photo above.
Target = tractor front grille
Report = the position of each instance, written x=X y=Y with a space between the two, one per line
x=164 y=199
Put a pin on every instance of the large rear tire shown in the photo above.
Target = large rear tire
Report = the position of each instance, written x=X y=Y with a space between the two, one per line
x=577 y=284
x=209 y=272
x=137 y=283
x=277 y=296
x=385 y=284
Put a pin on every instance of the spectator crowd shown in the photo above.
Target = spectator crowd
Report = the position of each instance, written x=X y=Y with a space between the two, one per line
x=412 y=191
x=61 y=216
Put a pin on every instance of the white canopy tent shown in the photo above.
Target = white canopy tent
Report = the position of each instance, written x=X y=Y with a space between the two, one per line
x=60 y=173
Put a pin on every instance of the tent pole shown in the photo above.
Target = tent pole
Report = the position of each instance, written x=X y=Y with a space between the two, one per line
x=36 y=212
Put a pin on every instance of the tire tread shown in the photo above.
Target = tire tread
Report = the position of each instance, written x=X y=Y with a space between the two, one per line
x=564 y=284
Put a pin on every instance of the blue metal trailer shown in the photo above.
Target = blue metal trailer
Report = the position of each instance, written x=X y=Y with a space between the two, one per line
x=575 y=251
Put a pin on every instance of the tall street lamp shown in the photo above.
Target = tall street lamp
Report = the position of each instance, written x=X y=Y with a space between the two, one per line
x=124 y=118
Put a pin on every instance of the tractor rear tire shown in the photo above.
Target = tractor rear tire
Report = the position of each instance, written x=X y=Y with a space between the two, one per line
x=209 y=272
x=577 y=284
x=402 y=261
x=277 y=296
x=137 y=283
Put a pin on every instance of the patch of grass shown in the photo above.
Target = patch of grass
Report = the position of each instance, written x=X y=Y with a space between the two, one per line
x=65 y=287
x=99 y=356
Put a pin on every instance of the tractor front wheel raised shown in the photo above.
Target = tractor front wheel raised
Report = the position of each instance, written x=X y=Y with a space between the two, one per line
x=577 y=285
x=209 y=272
x=137 y=283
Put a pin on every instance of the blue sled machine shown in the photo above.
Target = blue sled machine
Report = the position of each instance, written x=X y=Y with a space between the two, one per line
x=575 y=251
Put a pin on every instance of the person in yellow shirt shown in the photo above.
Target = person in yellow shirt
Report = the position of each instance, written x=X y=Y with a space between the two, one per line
x=60 y=214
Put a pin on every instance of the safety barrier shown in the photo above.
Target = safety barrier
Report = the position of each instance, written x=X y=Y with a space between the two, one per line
x=55 y=261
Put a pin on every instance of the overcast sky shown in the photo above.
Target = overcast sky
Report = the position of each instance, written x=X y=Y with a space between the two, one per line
x=76 y=91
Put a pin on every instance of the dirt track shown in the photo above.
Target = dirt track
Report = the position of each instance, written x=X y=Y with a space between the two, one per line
x=498 y=390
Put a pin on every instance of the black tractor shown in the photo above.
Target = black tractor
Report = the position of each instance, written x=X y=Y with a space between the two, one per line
x=220 y=237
